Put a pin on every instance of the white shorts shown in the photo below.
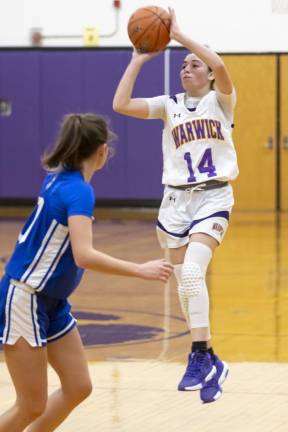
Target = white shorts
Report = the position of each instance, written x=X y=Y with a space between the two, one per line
x=185 y=212
x=37 y=318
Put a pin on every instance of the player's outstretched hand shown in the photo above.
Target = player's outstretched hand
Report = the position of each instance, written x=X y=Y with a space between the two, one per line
x=174 y=27
x=144 y=57
x=156 y=270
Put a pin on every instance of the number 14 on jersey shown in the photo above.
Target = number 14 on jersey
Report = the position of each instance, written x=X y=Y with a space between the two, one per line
x=205 y=165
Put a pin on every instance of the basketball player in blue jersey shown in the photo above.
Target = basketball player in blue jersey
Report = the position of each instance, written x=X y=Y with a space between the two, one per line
x=46 y=266
x=199 y=161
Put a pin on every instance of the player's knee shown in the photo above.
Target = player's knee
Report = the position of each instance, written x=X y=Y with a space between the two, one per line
x=85 y=390
x=78 y=392
x=37 y=411
x=192 y=279
x=32 y=409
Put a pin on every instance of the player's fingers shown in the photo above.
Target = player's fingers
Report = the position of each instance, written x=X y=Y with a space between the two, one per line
x=166 y=274
x=155 y=53
x=172 y=13
x=164 y=278
x=167 y=264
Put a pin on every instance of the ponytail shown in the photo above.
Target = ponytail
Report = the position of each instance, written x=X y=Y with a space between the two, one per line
x=79 y=137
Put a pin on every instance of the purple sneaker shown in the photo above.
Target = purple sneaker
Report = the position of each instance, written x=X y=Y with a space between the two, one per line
x=200 y=369
x=211 y=391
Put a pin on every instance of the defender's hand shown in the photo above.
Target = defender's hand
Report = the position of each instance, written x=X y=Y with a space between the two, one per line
x=156 y=270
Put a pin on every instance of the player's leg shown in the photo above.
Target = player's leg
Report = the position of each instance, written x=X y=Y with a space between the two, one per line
x=177 y=222
x=25 y=356
x=210 y=223
x=173 y=229
x=67 y=357
x=28 y=369
x=193 y=296
x=190 y=273
x=210 y=233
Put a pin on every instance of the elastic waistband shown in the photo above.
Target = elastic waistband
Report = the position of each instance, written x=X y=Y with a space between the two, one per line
x=211 y=184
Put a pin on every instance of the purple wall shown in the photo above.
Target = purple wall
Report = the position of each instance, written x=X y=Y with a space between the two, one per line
x=46 y=84
x=20 y=133
x=61 y=83
x=102 y=73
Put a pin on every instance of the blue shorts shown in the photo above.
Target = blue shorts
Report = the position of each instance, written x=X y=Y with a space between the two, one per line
x=35 y=317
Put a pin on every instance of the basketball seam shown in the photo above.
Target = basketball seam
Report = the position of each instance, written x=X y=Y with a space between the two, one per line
x=154 y=13
x=139 y=19
x=157 y=37
x=142 y=34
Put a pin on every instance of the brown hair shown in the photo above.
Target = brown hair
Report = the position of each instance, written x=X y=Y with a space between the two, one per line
x=79 y=137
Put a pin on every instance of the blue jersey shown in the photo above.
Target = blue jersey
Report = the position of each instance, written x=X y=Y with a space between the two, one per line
x=43 y=257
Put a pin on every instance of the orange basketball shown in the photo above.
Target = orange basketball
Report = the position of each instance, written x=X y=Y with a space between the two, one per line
x=149 y=28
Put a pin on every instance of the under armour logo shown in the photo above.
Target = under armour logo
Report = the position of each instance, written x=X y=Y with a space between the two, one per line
x=172 y=198
x=177 y=115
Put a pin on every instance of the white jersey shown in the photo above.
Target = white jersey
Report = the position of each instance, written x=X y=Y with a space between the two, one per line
x=197 y=141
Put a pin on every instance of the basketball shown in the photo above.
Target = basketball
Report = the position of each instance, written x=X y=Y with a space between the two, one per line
x=149 y=28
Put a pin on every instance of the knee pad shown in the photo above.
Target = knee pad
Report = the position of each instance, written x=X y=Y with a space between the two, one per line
x=191 y=280
x=193 y=296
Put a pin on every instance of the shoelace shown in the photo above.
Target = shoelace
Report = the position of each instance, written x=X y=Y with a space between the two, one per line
x=195 y=364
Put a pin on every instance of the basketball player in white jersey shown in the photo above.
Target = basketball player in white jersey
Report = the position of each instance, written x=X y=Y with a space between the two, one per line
x=199 y=162
x=55 y=245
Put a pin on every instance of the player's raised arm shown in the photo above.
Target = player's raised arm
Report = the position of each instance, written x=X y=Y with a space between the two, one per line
x=123 y=102
x=213 y=60
x=85 y=256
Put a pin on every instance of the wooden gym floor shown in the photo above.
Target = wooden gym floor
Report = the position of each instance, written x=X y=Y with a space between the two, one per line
x=137 y=343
